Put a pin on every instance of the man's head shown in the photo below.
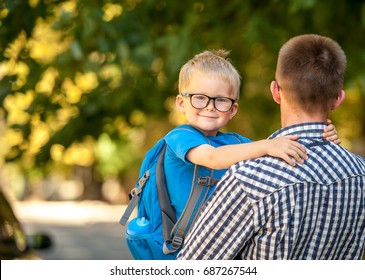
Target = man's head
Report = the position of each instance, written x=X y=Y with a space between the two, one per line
x=310 y=72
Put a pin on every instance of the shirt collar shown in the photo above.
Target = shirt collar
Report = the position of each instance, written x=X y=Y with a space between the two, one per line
x=304 y=130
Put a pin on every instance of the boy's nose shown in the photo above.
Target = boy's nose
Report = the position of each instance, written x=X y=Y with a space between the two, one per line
x=210 y=105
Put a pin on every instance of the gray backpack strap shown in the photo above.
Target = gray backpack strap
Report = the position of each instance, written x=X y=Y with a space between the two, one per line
x=134 y=194
x=168 y=214
x=198 y=193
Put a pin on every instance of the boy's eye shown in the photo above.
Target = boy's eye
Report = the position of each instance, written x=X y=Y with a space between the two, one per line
x=222 y=100
x=200 y=97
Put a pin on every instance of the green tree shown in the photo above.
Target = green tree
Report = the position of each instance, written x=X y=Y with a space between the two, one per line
x=84 y=82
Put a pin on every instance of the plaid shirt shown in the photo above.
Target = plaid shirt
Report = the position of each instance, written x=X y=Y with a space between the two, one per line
x=266 y=209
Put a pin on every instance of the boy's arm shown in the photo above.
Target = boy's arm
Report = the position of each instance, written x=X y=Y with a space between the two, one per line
x=223 y=157
x=282 y=147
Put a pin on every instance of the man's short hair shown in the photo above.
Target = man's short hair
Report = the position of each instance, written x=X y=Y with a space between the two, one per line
x=310 y=70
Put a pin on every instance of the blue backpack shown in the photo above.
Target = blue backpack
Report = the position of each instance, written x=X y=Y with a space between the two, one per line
x=155 y=234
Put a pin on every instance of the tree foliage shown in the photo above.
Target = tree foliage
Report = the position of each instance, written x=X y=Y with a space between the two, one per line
x=89 y=76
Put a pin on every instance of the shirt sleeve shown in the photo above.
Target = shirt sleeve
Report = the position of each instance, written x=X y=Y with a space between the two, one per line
x=224 y=225
x=181 y=140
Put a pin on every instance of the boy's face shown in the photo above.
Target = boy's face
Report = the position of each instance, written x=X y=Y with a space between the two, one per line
x=208 y=120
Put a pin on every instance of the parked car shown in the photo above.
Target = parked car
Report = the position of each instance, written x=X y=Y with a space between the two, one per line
x=14 y=243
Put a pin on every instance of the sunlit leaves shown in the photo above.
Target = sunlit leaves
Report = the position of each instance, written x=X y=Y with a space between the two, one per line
x=112 y=73
x=39 y=136
x=13 y=51
x=112 y=11
x=46 y=43
x=47 y=82
x=16 y=106
x=77 y=78
x=80 y=153
x=72 y=92
x=86 y=81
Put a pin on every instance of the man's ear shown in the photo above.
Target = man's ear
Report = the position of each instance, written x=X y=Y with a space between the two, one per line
x=180 y=103
x=341 y=97
x=275 y=92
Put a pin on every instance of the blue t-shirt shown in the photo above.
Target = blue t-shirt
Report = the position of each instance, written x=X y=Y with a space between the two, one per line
x=179 y=171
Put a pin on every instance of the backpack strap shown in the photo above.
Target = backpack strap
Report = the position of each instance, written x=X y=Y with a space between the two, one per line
x=196 y=199
x=168 y=213
x=134 y=195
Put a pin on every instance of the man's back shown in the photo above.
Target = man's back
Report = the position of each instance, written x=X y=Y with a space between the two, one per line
x=310 y=211
x=315 y=210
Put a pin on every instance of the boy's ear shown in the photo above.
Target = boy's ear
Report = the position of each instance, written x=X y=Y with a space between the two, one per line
x=341 y=97
x=274 y=88
x=180 y=103
x=234 y=110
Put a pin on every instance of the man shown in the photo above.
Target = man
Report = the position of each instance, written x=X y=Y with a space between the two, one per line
x=267 y=209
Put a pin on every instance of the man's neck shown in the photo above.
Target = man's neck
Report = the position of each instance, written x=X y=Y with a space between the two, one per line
x=296 y=117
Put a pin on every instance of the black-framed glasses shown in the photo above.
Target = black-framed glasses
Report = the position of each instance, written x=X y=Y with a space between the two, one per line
x=201 y=101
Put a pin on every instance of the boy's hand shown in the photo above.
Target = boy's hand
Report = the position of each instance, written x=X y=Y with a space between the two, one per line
x=330 y=133
x=287 y=148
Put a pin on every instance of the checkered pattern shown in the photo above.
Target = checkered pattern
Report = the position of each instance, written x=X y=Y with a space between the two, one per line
x=266 y=209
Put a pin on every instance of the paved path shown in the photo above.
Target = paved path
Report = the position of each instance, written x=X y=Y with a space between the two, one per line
x=80 y=231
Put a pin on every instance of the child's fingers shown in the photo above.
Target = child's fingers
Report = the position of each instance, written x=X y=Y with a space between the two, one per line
x=292 y=137
x=330 y=129
x=295 y=150
x=292 y=151
x=298 y=155
x=293 y=156
x=288 y=159
x=300 y=149
x=334 y=139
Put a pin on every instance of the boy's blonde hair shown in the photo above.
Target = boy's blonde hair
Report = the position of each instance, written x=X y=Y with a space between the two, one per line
x=213 y=63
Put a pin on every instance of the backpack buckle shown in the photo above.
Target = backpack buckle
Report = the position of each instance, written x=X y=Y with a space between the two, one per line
x=207 y=181
x=134 y=192
x=203 y=180
x=144 y=179
x=141 y=183
x=177 y=242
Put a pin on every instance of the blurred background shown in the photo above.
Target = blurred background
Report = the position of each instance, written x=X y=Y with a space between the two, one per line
x=87 y=87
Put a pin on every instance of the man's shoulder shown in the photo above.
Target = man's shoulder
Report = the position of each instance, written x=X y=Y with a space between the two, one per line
x=347 y=160
x=359 y=158
x=267 y=174
x=360 y=162
x=263 y=176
